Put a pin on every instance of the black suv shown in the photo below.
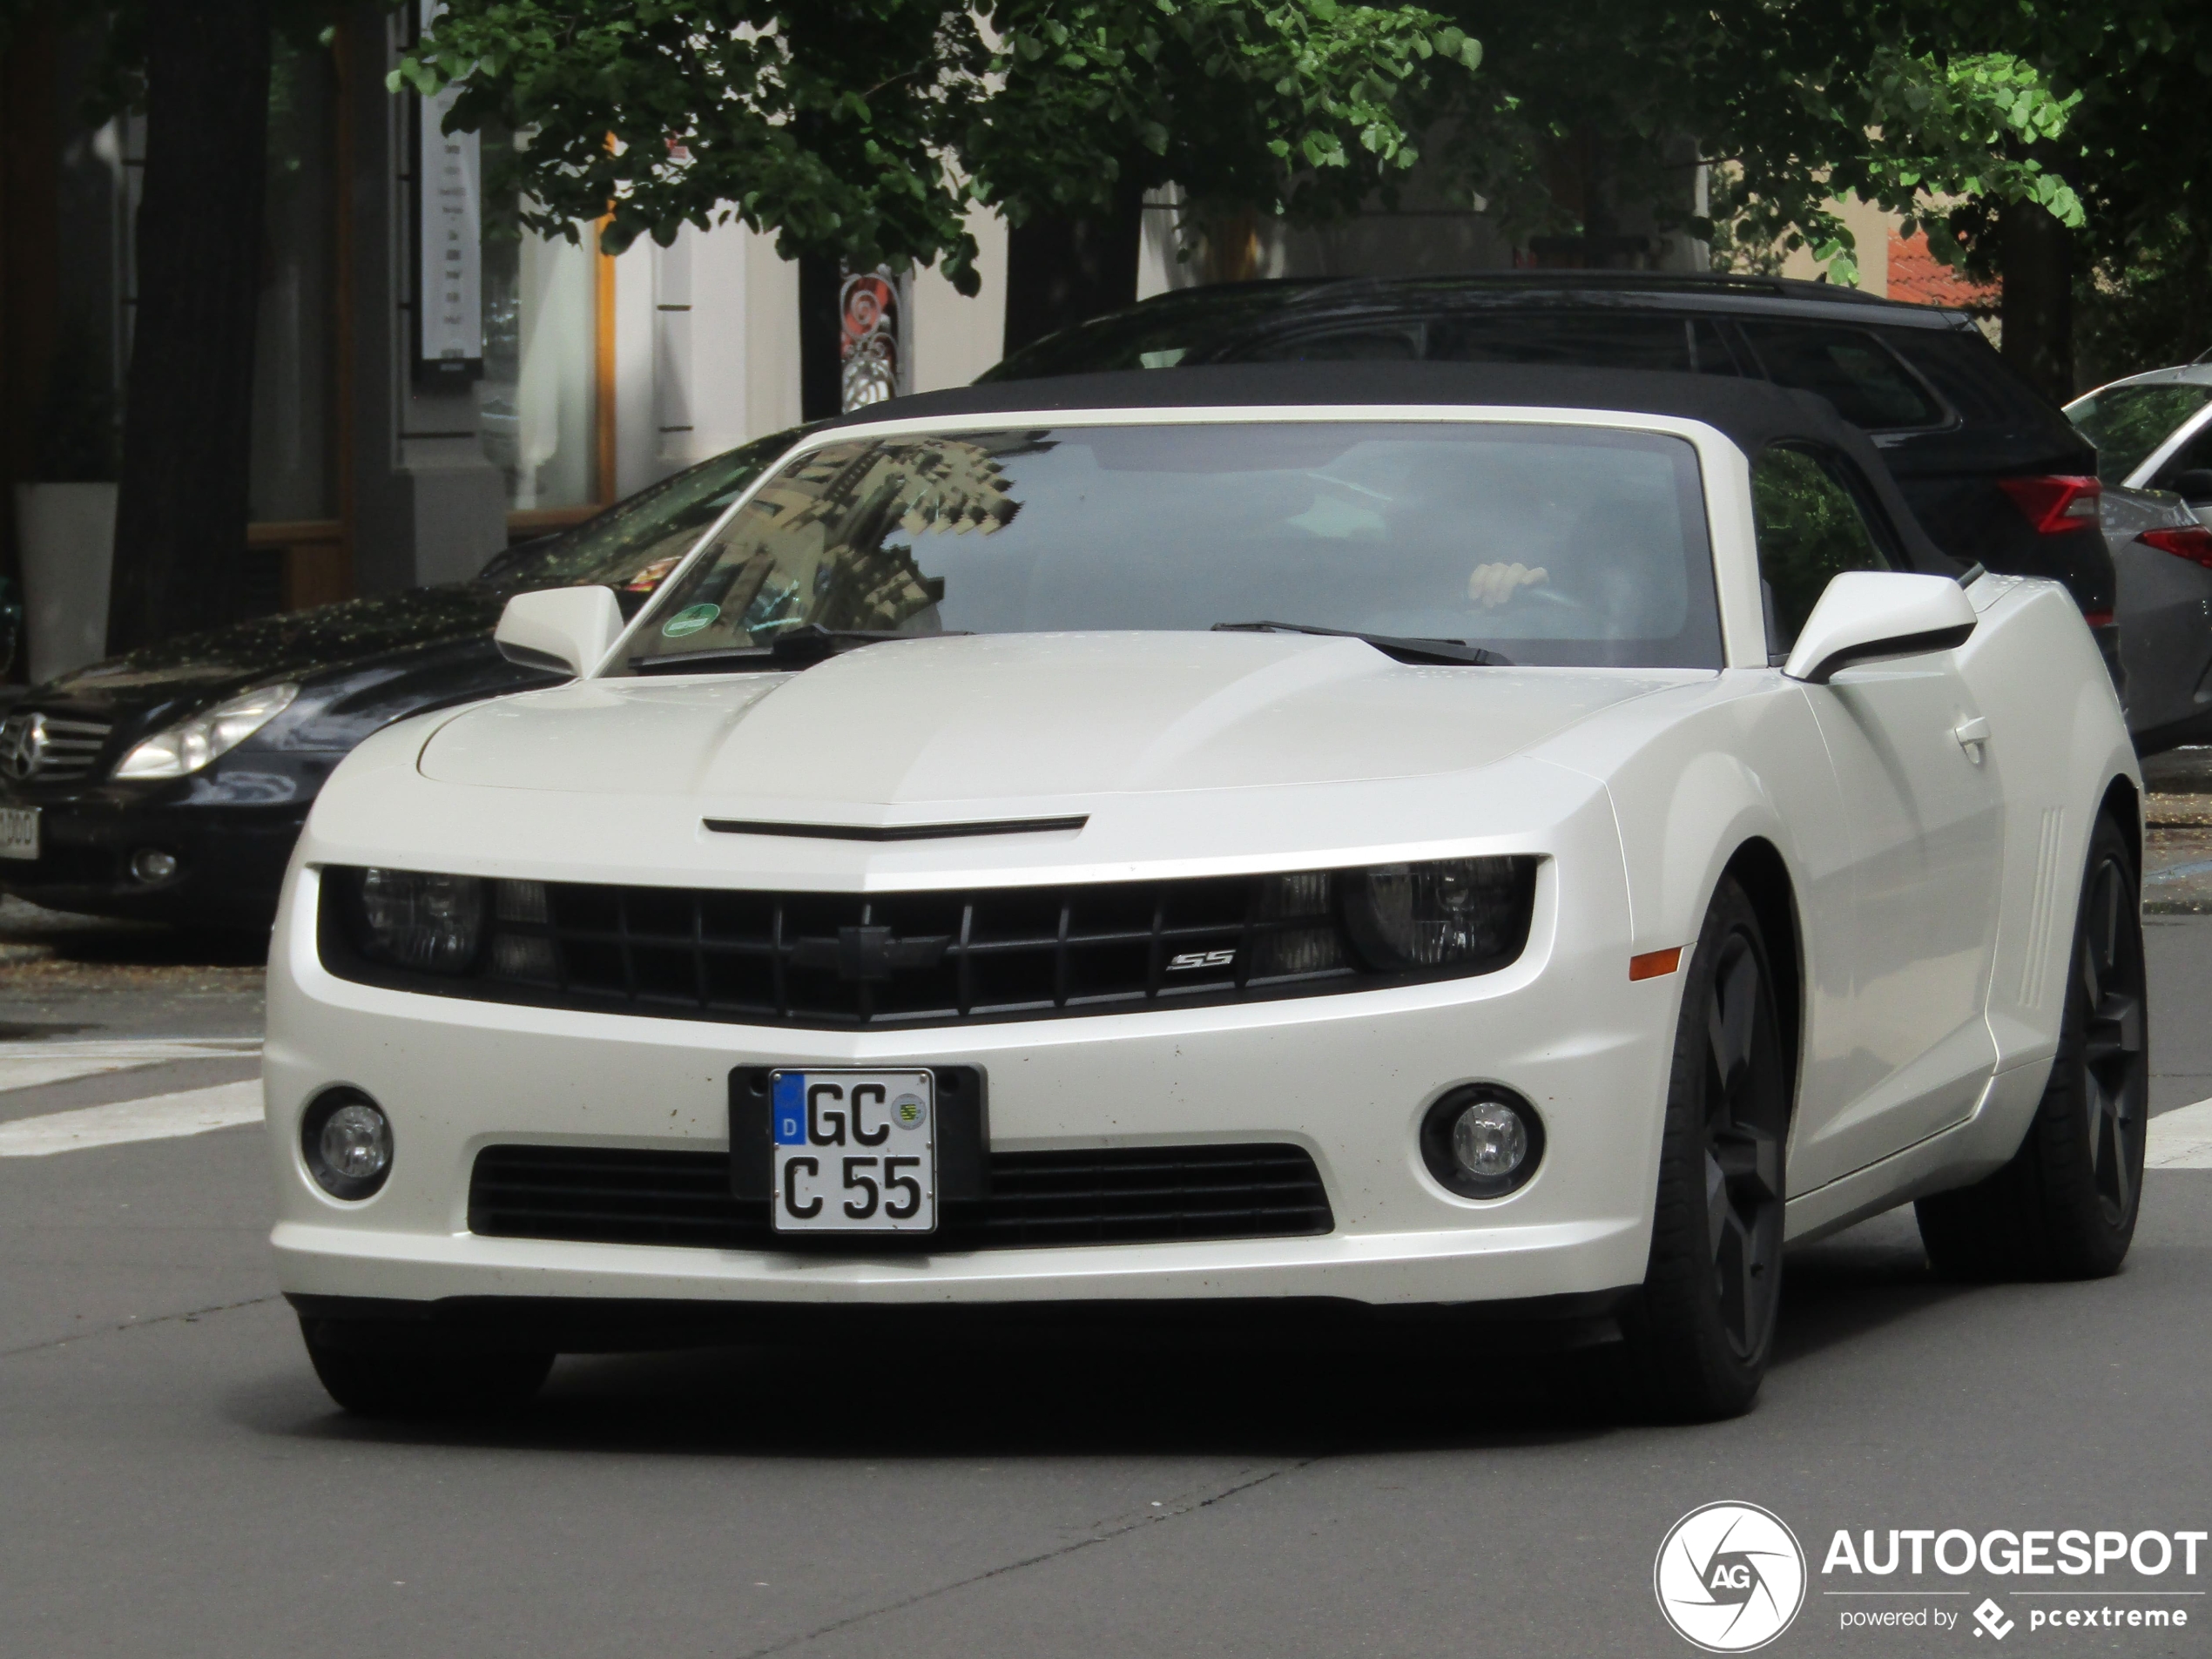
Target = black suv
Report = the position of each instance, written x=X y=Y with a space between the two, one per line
x=1997 y=475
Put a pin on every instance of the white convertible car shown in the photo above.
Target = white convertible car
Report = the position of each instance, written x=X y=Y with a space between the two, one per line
x=1335 y=842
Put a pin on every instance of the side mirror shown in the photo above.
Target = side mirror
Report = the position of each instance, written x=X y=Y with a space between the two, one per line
x=1866 y=613
x=563 y=630
x=2195 y=486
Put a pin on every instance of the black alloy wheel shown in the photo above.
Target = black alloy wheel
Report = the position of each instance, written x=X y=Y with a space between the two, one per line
x=2108 y=963
x=1744 y=1121
x=1702 y=1326
x=2066 y=1205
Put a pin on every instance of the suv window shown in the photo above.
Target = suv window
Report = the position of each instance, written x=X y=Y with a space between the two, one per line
x=1968 y=374
x=1854 y=371
x=2128 y=422
x=1383 y=344
x=2194 y=456
x=1811 y=527
x=1611 y=340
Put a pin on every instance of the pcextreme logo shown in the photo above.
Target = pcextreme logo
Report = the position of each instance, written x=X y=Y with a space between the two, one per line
x=1729 y=1577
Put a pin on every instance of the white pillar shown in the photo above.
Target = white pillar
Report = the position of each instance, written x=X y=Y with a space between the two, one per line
x=952 y=338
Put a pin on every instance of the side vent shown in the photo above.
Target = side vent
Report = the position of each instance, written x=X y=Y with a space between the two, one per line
x=2035 y=971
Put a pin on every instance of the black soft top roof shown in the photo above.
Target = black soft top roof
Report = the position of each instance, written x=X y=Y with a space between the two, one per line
x=1752 y=414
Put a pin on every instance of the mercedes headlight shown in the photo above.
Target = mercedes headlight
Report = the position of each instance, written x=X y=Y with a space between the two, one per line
x=190 y=744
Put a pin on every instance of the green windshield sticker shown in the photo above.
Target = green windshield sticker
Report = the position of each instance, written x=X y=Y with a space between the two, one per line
x=689 y=620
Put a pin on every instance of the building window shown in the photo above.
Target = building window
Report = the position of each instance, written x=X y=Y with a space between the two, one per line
x=539 y=396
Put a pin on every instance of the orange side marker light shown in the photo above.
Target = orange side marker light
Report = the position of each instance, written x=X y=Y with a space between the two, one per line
x=1653 y=963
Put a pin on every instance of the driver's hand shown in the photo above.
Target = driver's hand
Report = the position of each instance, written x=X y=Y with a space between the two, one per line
x=1492 y=585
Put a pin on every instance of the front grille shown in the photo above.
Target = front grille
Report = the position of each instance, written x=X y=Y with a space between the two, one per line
x=1117 y=1196
x=36 y=747
x=830 y=961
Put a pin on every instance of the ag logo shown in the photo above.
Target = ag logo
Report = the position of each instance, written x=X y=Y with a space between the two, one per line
x=1729 y=1577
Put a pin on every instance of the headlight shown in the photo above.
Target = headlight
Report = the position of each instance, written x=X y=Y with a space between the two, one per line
x=1441 y=914
x=413 y=920
x=190 y=744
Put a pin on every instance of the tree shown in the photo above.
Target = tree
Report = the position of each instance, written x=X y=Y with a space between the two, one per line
x=862 y=131
x=1798 y=104
x=1302 y=110
x=2137 y=147
x=181 y=507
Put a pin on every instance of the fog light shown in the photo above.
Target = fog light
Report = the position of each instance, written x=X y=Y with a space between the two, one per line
x=357 y=1142
x=1482 y=1141
x=1488 y=1140
x=345 y=1140
x=151 y=864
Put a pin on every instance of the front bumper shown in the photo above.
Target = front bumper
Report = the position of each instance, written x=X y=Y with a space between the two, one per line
x=230 y=859
x=1345 y=1076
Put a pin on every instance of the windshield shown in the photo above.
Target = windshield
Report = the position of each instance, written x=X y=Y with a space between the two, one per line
x=640 y=540
x=1559 y=545
x=2128 y=422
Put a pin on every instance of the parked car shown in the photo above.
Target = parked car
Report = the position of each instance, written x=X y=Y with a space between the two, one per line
x=2154 y=438
x=2154 y=431
x=1995 y=473
x=1335 y=843
x=171 y=783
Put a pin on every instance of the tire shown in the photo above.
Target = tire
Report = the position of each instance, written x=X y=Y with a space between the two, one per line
x=2066 y=1206
x=1700 y=1329
x=371 y=1381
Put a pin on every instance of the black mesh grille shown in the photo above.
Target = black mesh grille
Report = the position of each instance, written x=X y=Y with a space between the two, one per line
x=1118 y=1196
x=826 y=960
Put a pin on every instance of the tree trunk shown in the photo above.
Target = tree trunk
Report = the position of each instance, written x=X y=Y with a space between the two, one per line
x=187 y=424
x=2036 y=257
x=1060 y=272
x=821 y=360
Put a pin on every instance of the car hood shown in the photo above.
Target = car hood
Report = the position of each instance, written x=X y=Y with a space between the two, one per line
x=1003 y=718
x=195 y=668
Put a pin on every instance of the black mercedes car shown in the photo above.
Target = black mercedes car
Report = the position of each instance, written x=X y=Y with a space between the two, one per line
x=170 y=784
x=1996 y=475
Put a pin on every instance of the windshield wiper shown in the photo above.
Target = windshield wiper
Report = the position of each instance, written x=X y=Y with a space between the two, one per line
x=794 y=648
x=1405 y=651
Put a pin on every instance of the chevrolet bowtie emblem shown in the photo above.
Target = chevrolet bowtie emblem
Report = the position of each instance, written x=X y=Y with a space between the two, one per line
x=869 y=952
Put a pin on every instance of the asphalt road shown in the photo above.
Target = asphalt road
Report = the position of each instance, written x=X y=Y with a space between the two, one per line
x=173 y=1481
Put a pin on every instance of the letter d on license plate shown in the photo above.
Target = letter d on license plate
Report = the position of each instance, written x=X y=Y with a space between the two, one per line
x=855 y=1151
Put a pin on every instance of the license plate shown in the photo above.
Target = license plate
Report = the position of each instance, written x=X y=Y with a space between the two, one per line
x=19 y=832
x=854 y=1151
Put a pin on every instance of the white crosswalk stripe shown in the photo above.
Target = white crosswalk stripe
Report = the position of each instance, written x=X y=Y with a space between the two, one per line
x=2181 y=1139
x=158 y=1117
x=30 y=1065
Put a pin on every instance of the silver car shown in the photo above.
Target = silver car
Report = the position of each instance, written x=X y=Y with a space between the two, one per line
x=2154 y=438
